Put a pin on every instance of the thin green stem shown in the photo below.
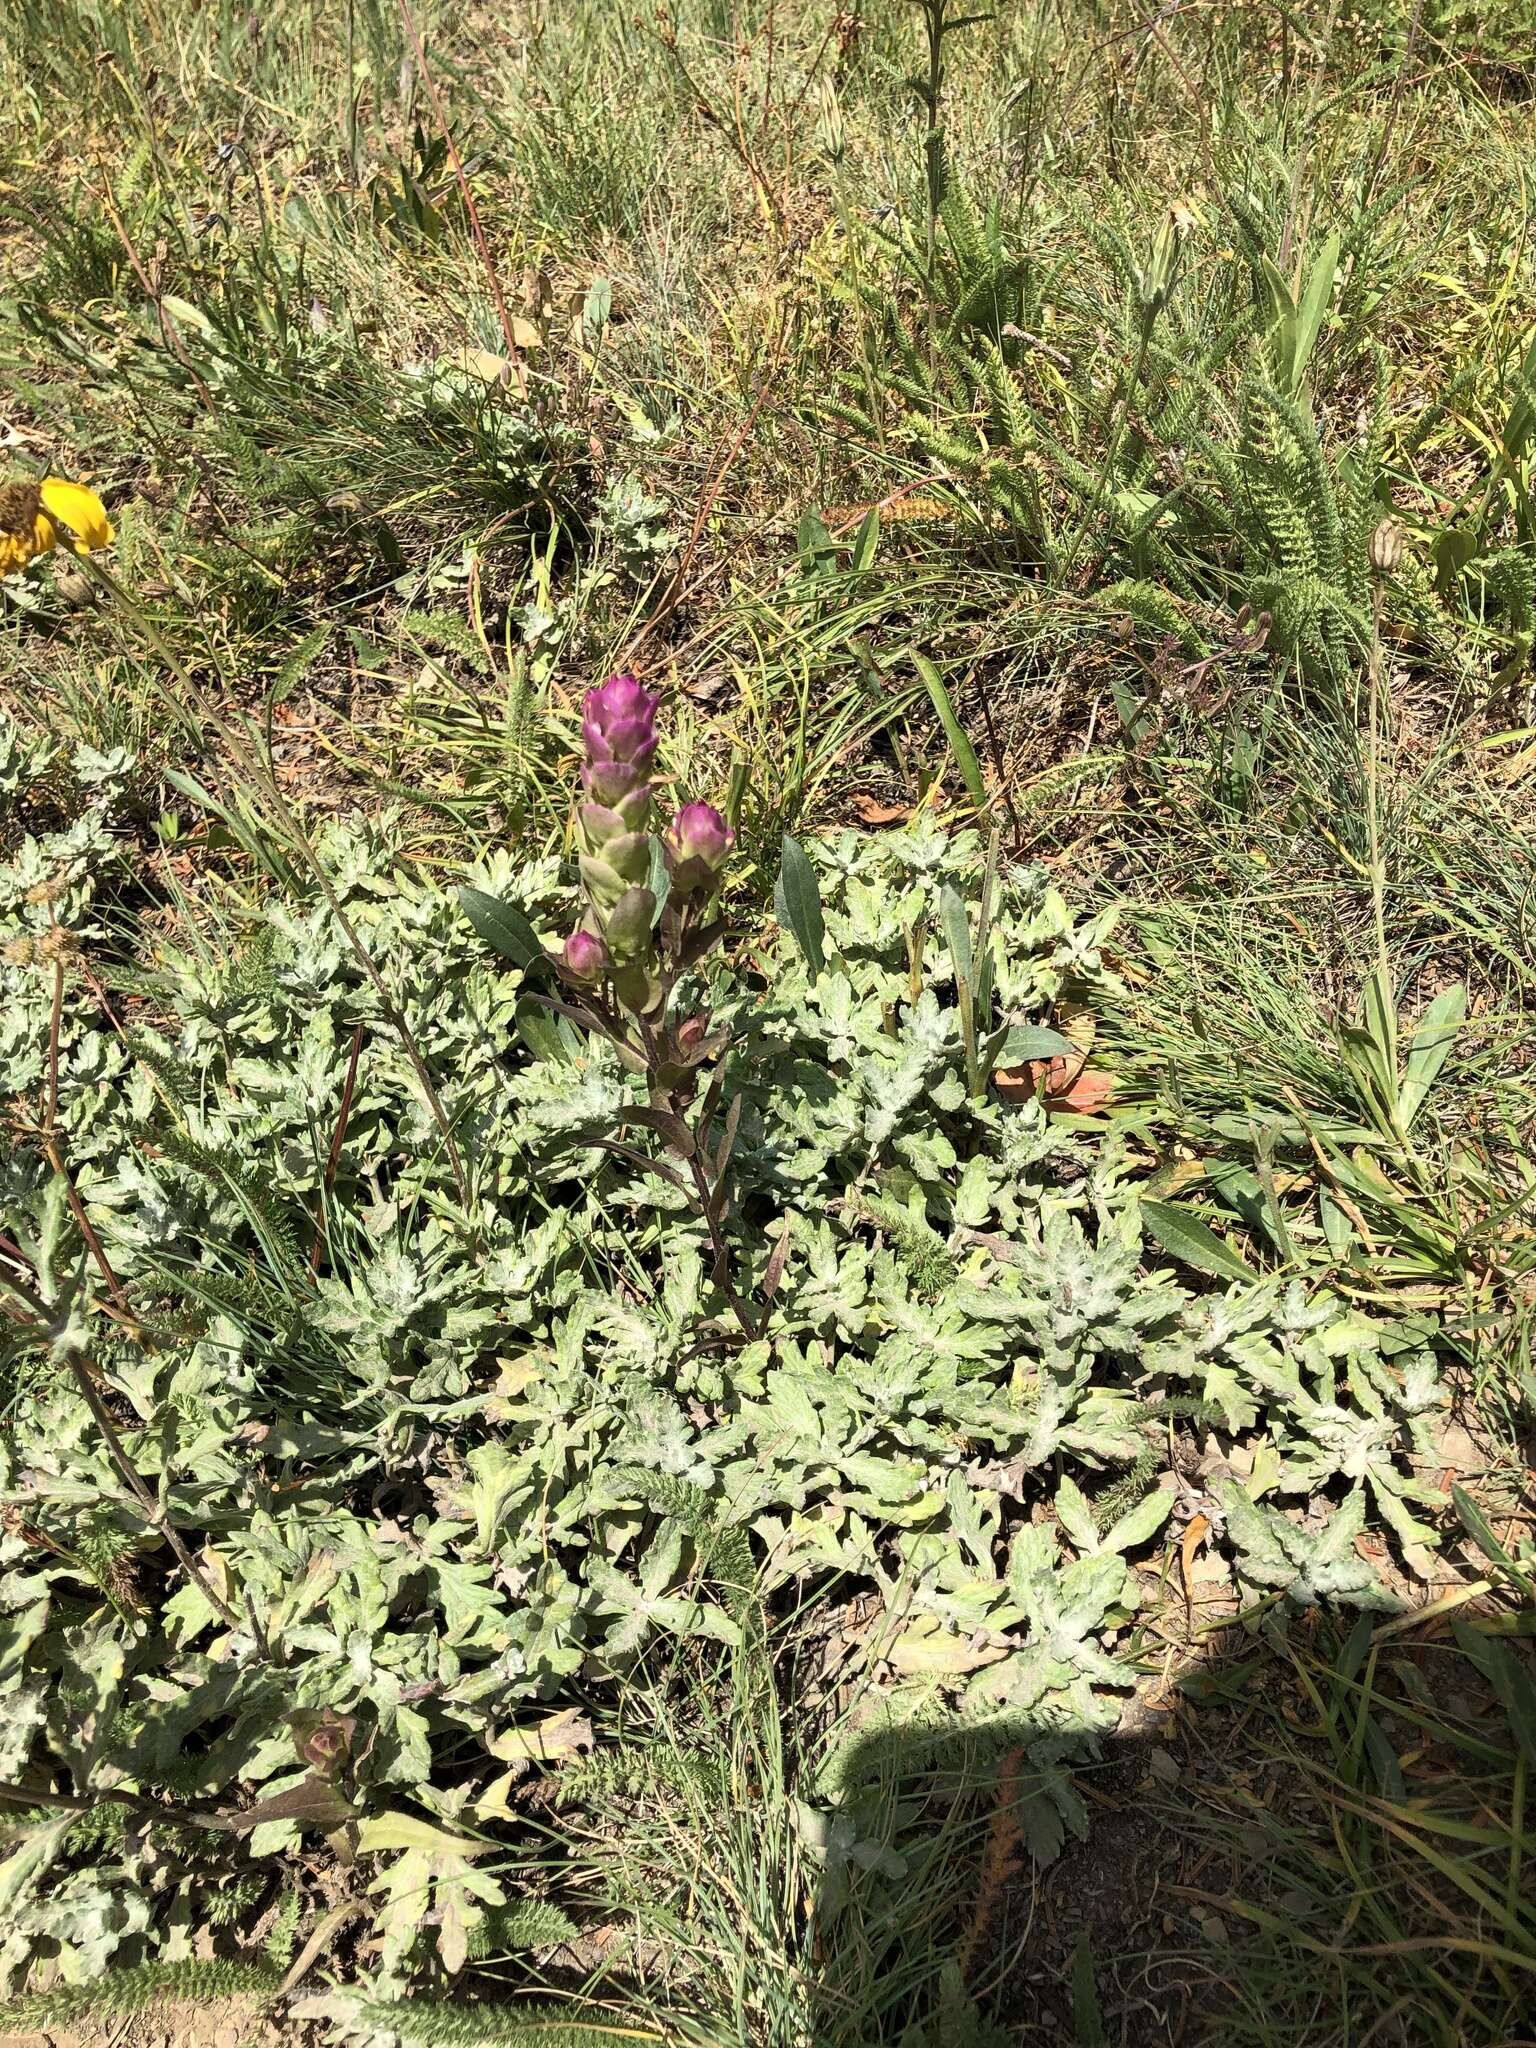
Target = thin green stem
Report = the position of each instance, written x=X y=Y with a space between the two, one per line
x=1373 y=796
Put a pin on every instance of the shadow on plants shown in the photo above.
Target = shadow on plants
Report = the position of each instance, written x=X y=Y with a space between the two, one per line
x=756 y=1855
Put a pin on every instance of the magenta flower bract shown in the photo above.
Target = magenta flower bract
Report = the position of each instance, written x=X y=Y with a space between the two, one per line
x=585 y=956
x=696 y=844
x=617 y=715
x=618 y=729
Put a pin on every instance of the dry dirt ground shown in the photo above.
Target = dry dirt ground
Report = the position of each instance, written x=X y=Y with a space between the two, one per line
x=1214 y=1795
x=227 y=2023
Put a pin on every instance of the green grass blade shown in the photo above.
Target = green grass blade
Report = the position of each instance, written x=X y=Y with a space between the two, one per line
x=954 y=731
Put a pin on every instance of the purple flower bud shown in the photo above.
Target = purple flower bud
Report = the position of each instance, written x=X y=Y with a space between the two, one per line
x=696 y=845
x=618 y=724
x=698 y=832
x=585 y=956
x=323 y=1739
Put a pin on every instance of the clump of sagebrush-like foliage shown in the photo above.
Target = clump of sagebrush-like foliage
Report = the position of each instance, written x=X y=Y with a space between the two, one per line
x=447 y=1444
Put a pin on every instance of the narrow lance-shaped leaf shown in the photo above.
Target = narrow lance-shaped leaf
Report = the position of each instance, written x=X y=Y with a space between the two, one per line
x=797 y=905
x=957 y=931
x=1313 y=310
x=1280 y=326
x=1087 y=2014
x=1508 y=1677
x=983 y=951
x=1480 y=1529
x=658 y=881
x=503 y=928
x=1380 y=1010
x=954 y=731
x=1428 y=1050
x=1186 y=1238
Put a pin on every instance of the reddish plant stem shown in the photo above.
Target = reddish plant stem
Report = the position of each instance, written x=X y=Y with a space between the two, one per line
x=1002 y=775
x=55 y=1020
x=168 y=329
x=53 y=1152
x=672 y=596
x=150 y=1508
x=55 y=1159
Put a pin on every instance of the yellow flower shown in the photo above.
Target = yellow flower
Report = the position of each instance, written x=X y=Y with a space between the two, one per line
x=31 y=515
x=81 y=511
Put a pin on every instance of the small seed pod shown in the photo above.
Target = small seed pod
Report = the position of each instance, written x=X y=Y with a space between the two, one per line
x=1386 y=549
x=74 y=587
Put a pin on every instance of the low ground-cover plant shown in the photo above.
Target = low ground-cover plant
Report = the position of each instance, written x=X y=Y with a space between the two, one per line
x=336 y=1475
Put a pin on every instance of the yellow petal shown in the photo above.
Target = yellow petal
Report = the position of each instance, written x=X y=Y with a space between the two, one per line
x=72 y=505
x=17 y=549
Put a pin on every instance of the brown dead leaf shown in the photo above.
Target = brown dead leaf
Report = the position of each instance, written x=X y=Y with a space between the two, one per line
x=1081 y=1091
x=1182 y=1174
x=1013 y=1084
x=776 y=1262
x=708 y=686
x=1075 y=1020
x=869 y=810
x=558 y=1735
x=1124 y=967
x=1067 y=1086
x=926 y=1648
x=1199 y=1528
x=1072 y=1085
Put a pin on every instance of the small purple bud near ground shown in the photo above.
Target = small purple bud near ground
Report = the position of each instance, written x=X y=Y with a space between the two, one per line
x=692 y=1032
x=585 y=956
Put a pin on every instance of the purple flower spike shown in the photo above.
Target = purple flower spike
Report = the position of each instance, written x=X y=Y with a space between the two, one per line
x=696 y=844
x=585 y=956
x=618 y=723
x=618 y=729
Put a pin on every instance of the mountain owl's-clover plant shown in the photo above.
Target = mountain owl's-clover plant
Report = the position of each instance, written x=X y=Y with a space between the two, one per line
x=625 y=958
x=628 y=945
